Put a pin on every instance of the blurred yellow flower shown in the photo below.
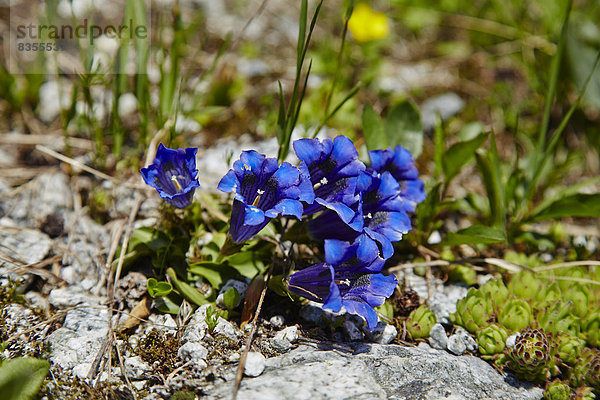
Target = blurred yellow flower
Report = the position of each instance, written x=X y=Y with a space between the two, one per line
x=366 y=24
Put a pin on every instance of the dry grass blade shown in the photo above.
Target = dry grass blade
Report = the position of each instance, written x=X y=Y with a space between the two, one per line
x=507 y=265
x=570 y=278
x=112 y=283
x=84 y=167
x=568 y=265
x=123 y=370
x=240 y=370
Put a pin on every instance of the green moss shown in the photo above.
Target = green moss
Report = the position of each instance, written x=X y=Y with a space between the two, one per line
x=161 y=347
x=183 y=395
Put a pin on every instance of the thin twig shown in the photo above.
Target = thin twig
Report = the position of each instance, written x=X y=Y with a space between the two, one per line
x=123 y=370
x=112 y=283
x=240 y=370
x=570 y=278
x=117 y=232
x=80 y=165
x=497 y=262
x=151 y=152
x=569 y=264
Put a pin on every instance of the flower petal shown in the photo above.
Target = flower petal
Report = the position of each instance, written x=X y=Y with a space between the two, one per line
x=229 y=183
x=254 y=215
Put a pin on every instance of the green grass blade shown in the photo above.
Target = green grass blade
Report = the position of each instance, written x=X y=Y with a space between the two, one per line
x=554 y=75
x=301 y=34
x=336 y=109
x=547 y=156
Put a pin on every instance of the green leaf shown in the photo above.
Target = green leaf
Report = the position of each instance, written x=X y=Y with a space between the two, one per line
x=246 y=263
x=21 y=378
x=470 y=131
x=215 y=274
x=583 y=43
x=231 y=298
x=564 y=192
x=428 y=209
x=386 y=310
x=459 y=154
x=213 y=248
x=373 y=129
x=403 y=127
x=166 y=305
x=493 y=188
x=186 y=290
x=438 y=147
x=158 y=289
x=577 y=205
x=277 y=284
x=476 y=234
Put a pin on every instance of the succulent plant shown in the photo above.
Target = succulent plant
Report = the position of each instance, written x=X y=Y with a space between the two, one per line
x=555 y=317
x=420 y=322
x=573 y=272
x=568 y=348
x=584 y=393
x=473 y=311
x=491 y=339
x=526 y=285
x=550 y=293
x=580 y=296
x=463 y=273
x=515 y=315
x=532 y=356
x=557 y=390
x=497 y=292
x=591 y=328
x=586 y=371
x=591 y=358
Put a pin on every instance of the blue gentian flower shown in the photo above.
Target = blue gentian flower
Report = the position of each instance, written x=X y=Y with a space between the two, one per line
x=381 y=210
x=333 y=167
x=173 y=174
x=400 y=163
x=263 y=190
x=346 y=279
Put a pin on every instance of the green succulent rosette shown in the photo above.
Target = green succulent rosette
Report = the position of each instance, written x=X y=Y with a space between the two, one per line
x=473 y=311
x=584 y=393
x=555 y=317
x=568 y=348
x=491 y=340
x=463 y=273
x=592 y=367
x=550 y=294
x=586 y=372
x=557 y=390
x=420 y=322
x=526 y=285
x=532 y=356
x=579 y=295
x=497 y=291
x=591 y=328
x=515 y=315
x=573 y=272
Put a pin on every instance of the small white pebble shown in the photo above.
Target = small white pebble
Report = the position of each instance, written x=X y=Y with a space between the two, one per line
x=277 y=321
x=255 y=364
x=512 y=339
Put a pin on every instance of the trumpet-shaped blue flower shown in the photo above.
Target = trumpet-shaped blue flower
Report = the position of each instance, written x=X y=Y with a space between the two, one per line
x=173 y=174
x=263 y=190
x=347 y=279
x=400 y=163
x=333 y=166
x=381 y=212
